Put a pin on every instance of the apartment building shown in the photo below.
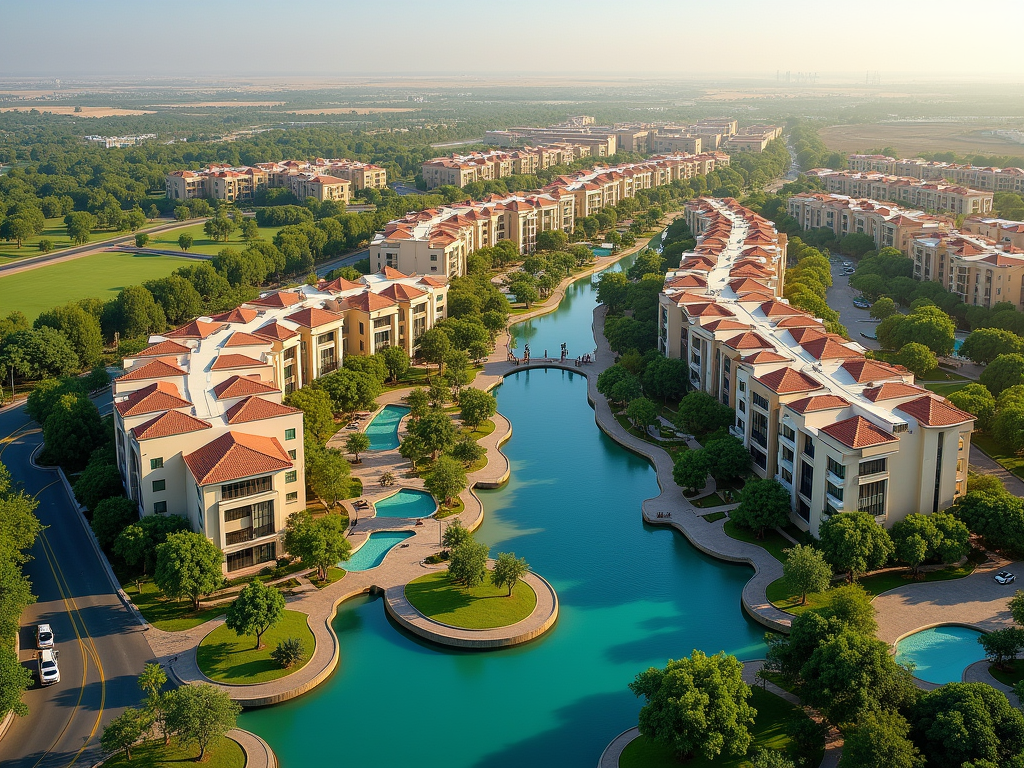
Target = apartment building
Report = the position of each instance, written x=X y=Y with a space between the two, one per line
x=835 y=428
x=201 y=430
x=753 y=138
x=998 y=230
x=460 y=170
x=981 y=271
x=332 y=179
x=927 y=195
x=889 y=225
x=438 y=241
x=989 y=178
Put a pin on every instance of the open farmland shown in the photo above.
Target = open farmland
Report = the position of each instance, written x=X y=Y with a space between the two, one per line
x=913 y=138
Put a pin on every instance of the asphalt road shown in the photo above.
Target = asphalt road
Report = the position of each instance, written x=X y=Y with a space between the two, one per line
x=102 y=648
x=857 y=321
x=344 y=261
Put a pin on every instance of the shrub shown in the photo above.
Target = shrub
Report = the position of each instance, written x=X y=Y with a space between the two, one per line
x=288 y=652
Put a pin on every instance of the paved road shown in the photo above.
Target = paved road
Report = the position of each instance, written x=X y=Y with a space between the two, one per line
x=102 y=648
x=857 y=321
x=344 y=261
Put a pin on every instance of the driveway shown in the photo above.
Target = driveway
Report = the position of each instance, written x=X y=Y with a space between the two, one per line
x=857 y=321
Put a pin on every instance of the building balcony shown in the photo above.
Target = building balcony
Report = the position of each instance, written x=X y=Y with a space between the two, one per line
x=833 y=500
x=735 y=431
x=834 y=478
x=248 y=534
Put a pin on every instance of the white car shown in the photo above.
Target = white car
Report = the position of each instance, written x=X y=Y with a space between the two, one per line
x=44 y=636
x=1004 y=577
x=49 y=672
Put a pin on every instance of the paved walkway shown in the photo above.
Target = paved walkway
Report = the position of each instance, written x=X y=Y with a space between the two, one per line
x=833 y=740
x=986 y=465
x=258 y=753
x=978 y=673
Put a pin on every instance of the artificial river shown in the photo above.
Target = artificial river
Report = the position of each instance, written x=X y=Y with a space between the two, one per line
x=631 y=596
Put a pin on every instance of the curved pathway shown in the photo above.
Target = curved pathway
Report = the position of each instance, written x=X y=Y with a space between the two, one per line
x=533 y=626
x=258 y=753
x=978 y=673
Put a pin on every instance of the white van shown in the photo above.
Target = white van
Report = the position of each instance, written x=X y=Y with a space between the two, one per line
x=49 y=672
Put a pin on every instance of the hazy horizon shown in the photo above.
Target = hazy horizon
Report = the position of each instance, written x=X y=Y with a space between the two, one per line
x=404 y=38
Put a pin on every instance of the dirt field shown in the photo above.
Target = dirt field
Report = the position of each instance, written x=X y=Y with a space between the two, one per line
x=86 y=111
x=348 y=110
x=222 y=104
x=912 y=138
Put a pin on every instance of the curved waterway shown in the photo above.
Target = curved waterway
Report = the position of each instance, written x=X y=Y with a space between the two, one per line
x=631 y=596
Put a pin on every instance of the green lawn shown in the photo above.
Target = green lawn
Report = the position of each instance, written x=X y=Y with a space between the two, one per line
x=201 y=243
x=101 y=275
x=227 y=658
x=1009 y=677
x=1008 y=459
x=333 y=575
x=769 y=732
x=222 y=753
x=480 y=431
x=457 y=508
x=945 y=388
x=773 y=541
x=482 y=607
x=714 y=500
x=56 y=232
x=168 y=615
x=782 y=597
x=714 y=517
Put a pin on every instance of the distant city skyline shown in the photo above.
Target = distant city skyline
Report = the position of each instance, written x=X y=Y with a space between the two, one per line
x=65 y=38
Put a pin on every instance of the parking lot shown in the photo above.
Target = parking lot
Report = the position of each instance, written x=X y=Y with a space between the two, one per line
x=840 y=297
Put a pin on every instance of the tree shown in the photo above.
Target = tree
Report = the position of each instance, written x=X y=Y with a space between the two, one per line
x=643 y=414
x=439 y=394
x=967 y=721
x=396 y=361
x=372 y=365
x=141 y=240
x=1017 y=608
x=250 y=230
x=805 y=570
x=446 y=480
x=730 y=460
x=356 y=443
x=72 y=431
x=188 y=565
x=880 y=739
x=763 y=504
x=434 y=346
x=476 y=406
x=418 y=402
x=665 y=378
x=98 y=481
x=618 y=384
x=38 y=353
x=467 y=563
x=136 y=313
x=853 y=542
x=413 y=448
x=14 y=680
x=152 y=680
x=219 y=227
x=318 y=543
x=977 y=401
x=436 y=430
x=178 y=298
x=770 y=758
x=288 y=652
x=508 y=570
x=328 y=473
x=1006 y=371
x=691 y=470
x=552 y=240
x=458 y=372
x=124 y=731
x=986 y=344
x=856 y=244
x=349 y=390
x=523 y=286
x=201 y=713
x=317 y=412
x=1002 y=646
x=185 y=241
x=883 y=308
x=700 y=413
x=467 y=451
x=81 y=329
x=257 y=608
x=697 y=705
x=112 y=516
x=916 y=358
x=455 y=535
x=80 y=225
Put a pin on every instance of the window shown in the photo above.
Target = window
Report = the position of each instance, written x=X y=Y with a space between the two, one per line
x=743 y=406
x=743 y=386
x=803 y=509
x=289 y=434
x=760 y=459
x=834 y=492
x=291 y=496
x=900 y=428
x=291 y=454
x=836 y=469
x=871 y=467
x=327 y=338
x=159 y=463
x=759 y=401
x=230 y=515
x=872 y=498
x=245 y=488
x=159 y=485
x=787 y=476
x=808 y=446
x=787 y=454
x=291 y=477
x=806 y=479
x=159 y=507
x=788 y=433
x=362 y=329
x=759 y=428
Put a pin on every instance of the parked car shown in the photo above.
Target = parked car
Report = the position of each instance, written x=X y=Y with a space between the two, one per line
x=49 y=672
x=44 y=636
x=1004 y=577
x=861 y=303
x=848 y=270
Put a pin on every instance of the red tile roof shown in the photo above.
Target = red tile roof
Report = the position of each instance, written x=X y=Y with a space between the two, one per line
x=748 y=340
x=368 y=301
x=156 y=369
x=164 y=348
x=235 y=455
x=225 y=362
x=726 y=324
x=934 y=412
x=314 y=317
x=237 y=315
x=778 y=309
x=197 y=329
x=891 y=390
x=858 y=432
x=819 y=403
x=158 y=396
x=341 y=284
x=434 y=282
x=827 y=349
x=242 y=386
x=789 y=380
x=243 y=339
x=169 y=423
x=277 y=300
x=863 y=370
x=393 y=274
x=274 y=330
x=687 y=281
x=764 y=356
x=256 y=409
x=798 y=321
x=402 y=292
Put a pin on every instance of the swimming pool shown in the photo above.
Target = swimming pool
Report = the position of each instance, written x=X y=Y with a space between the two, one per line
x=601 y=251
x=373 y=552
x=408 y=502
x=941 y=654
x=383 y=428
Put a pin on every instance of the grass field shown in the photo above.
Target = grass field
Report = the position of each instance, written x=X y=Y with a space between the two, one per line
x=911 y=138
x=227 y=658
x=482 y=607
x=1010 y=676
x=168 y=241
x=222 y=753
x=769 y=732
x=56 y=232
x=101 y=275
x=168 y=615
x=1007 y=458
x=773 y=541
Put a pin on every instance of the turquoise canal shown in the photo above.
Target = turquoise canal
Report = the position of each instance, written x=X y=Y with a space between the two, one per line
x=383 y=428
x=408 y=502
x=376 y=548
x=631 y=596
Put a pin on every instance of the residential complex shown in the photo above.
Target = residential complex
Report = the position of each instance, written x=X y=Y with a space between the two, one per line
x=460 y=170
x=438 y=240
x=829 y=424
x=120 y=142
x=983 y=262
x=927 y=195
x=200 y=425
x=977 y=177
x=320 y=179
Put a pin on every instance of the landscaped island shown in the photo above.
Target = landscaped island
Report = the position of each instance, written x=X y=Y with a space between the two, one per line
x=485 y=606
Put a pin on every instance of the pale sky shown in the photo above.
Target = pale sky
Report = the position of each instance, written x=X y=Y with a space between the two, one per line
x=69 y=38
